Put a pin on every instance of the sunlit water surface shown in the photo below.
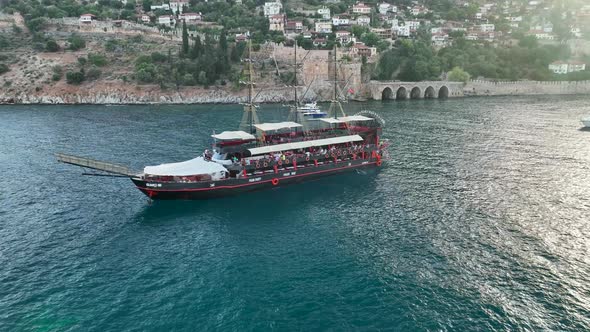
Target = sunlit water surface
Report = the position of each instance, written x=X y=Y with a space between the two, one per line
x=480 y=221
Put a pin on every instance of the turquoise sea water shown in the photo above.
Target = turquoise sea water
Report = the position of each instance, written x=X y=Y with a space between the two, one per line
x=480 y=221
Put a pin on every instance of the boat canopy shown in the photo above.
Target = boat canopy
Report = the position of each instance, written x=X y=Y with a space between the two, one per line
x=197 y=166
x=345 y=119
x=234 y=136
x=277 y=126
x=304 y=144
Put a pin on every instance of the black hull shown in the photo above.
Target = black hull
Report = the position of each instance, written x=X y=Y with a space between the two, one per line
x=227 y=187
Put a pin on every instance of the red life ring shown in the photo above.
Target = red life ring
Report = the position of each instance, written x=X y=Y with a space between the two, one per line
x=257 y=164
x=327 y=156
x=378 y=163
x=274 y=181
x=265 y=164
x=280 y=162
x=286 y=161
x=307 y=158
x=338 y=153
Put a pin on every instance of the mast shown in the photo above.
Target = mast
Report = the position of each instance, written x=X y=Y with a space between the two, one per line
x=249 y=118
x=335 y=79
x=250 y=83
x=295 y=76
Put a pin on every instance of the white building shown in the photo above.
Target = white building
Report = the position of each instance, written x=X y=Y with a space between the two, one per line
x=402 y=31
x=413 y=25
x=272 y=8
x=323 y=27
x=277 y=23
x=576 y=32
x=145 y=18
x=418 y=10
x=361 y=8
x=385 y=8
x=541 y=35
x=163 y=6
x=87 y=18
x=344 y=37
x=363 y=21
x=440 y=40
x=340 y=20
x=190 y=17
x=325 y=12
x=561 y=67
x=178 y=6
x=167 y=20
x=487 y=28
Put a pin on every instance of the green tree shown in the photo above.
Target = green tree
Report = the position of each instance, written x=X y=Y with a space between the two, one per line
x=184 y=38
x=458 y=75
x=147 y=4
x=196 y=50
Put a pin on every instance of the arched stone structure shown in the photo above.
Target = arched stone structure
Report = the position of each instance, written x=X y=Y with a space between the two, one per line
x=443 y=92
x=415 y=93
x=401 y=94
x=429 y=93
x=379 y=90
x=387 y=94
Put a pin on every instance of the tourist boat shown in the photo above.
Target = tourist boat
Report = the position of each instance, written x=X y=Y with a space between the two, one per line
x=260 y=156
x=586 y=122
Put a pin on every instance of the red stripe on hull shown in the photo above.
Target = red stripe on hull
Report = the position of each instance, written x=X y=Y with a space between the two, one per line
x=226 y=190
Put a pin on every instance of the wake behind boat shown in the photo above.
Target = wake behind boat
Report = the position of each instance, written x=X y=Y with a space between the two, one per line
x=586 y=122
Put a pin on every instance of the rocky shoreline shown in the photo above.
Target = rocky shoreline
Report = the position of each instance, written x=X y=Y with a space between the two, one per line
x=118 y=94
x=145 y=95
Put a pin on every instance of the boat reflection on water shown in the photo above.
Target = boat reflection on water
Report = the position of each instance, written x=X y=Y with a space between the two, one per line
x=256 y=204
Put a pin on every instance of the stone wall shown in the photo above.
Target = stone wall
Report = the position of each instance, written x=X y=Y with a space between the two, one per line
x=507 y=88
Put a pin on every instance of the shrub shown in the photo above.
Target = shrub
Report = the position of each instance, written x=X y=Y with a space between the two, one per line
x=3 y=68
x=76 y=42
x=57 y=73
x=75 y=77
x=111 y=45
x=93 y=73
x=37 y=24
x=98 y=60
x=158 y=57
x=3 y=42
x=51 y=46
x=82 y=61
x=16 y=29
x=188 y=79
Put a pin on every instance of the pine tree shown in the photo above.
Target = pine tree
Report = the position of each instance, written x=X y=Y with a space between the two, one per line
x=184 y=38
x=197 y=48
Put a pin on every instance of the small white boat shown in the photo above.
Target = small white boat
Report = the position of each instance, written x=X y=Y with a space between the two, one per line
x=586 y=122
x=311 y=110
